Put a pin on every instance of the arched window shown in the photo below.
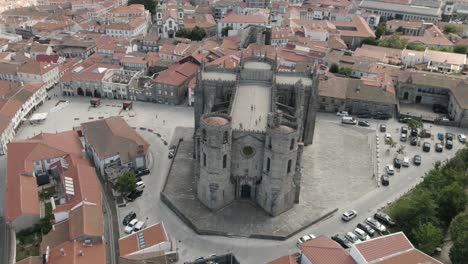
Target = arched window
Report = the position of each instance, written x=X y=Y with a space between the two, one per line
x=289 y=166
x=225 y=137
x=292 y=144
x=268 y=165
x=204 y=135
x=204 y=160
x=224 y=161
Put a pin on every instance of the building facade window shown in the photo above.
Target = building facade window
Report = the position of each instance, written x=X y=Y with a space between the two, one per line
x=204 y=160
x=224 y=161
x=268 y=165
x=292 y=144
x=289 y=166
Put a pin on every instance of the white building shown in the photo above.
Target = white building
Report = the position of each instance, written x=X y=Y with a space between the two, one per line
x=36 y=71
x=169 y=21
x=237 y=22
x=136 y=26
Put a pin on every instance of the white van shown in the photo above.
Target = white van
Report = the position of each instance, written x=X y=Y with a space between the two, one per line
x=140 y=185
x=139 y=226
x=348 y=120
x=129 y=228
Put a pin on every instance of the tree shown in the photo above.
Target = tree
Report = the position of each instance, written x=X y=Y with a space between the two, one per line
x=183 y=33
x=380 y=30
x=150 y=5
x=459 y=251
x=459 y=226
x=126 y=183
x=452 y=200
x=225 y=31
x=334 y=68
x=450 y=28
x=415 y=124
x=370 y=41
x=414 y=46
x=345 y=71
x=394 y=41
x=462 y=49
x=197 y=33
x=390 y=142
x=427 y=237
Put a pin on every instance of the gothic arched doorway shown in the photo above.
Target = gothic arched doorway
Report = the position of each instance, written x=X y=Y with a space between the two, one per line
x=80 y=91
x=246 y=191
x=97 y=94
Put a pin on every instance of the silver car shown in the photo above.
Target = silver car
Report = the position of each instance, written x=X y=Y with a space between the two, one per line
x=361 y=234
x=376 y=225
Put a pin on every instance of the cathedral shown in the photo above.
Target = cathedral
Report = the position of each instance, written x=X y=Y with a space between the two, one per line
x=251 y=126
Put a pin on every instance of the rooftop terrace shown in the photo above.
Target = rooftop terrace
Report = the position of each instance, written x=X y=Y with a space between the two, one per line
x=250 y=108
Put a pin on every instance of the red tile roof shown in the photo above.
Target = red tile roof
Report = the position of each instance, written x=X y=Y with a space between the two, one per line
x=177 y=74
x=95 y=254
x=153 y=235
x=323 y=250
x=235 y=18
x=384 y=246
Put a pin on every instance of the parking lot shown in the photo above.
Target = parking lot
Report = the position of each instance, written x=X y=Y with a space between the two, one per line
x=341 y=154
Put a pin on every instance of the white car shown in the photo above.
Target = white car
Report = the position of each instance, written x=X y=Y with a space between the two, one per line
x=352 y=237
x=462 y=138
x=342 y=113
x=363 y=236
x=388 y=136
x=348 y=215
x=389 y=169
x=305 y=238
x=405 y=162
x=129 y=228
x=140 y=185
x=376 y=225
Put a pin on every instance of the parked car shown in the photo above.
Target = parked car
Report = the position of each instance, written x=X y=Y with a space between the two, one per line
x=382 y=116
x=352 y=237
x=426 y=133
x=366 y=228
x=414 y=132
x=348 y=120
x=439 y=147
x=139 y=226
x=341 y=239
x=140 y=185
x=404 y=130
x=133 y=195
x=417 y=160
x=364 y=115
x=130 y=226
x=172 y=147
x=385 y=180
x=403 y=137
x=404 y=120
x=449 y=144
x=305 y=238
x=383 y=128
x=349 y=215
x=376 y=225
x=449 y=136
x=363 y=123
x=426 y=147
x=461 y=138
x=342 y=113
x=142 y=172
x=390 y=169
x=440 y=136
x=397 y=163
x=363 y=236
x=388 y=136
x=414 y=141
x=384 y=218
x=171 y=153
x=129 y=217
x=405 y=162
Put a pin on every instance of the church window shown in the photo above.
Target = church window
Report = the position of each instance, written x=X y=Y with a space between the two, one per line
x=204 y=159
x=224 y=161
x=225 y=137
x=204 y=134
x=268 y=165
x=292 y=144
x=289 y=166
x=269 y=142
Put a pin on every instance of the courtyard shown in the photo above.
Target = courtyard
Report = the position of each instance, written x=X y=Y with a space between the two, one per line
x=340 y=164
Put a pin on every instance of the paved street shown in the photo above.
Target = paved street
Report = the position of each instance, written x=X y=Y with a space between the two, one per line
x=163 y=119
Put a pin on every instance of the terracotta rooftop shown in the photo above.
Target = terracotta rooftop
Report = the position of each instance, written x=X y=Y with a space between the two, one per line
x=154 y=235
x=323 y=250
x=36 y=67
x=177 y=74
x=235 y=18
x=216 y=121
x=86 y=220
x=95 y=254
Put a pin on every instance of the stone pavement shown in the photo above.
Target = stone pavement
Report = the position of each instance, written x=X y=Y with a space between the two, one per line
x=342 y=175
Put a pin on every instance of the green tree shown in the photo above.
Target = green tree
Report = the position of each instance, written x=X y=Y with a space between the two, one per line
x=150 y=5
x=394 y=41
x=459 y=226
x=45 y=224
x=415 y=124
x=126 y=183
x=427 y=237
x=345 y=71
x=225 y=31
x=370 y=41
x=183 y=33
x=462 y=49
x=334 y=68
x=414 y=46
x=459 y=251
x=452 y=201
x=380 y=30
x=197 y=33
x=450 y=28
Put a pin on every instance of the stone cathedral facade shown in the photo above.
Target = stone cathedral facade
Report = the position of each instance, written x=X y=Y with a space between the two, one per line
x=251 y=126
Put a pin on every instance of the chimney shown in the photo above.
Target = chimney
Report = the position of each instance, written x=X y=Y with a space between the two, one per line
x=62 y=252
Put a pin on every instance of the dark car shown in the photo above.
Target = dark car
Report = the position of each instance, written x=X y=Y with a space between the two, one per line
x=439 y=147
x=417 y=160
x=414 y=141
x=363 y=123
x=384 y=219
x=385 y=180
x=397 y=163
x=383 y=128
x=414 y=132
x=404 y=130
x=449 y=136
x=364 y=115
x=129 y=217
x=133 y=195
x=449 y=144
x=142 y=172
x=426 y=147
x=173 y=147
x=440 y=136
x=404 y=120
x=382 y=116
x=366 y=228
x=341 y=239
